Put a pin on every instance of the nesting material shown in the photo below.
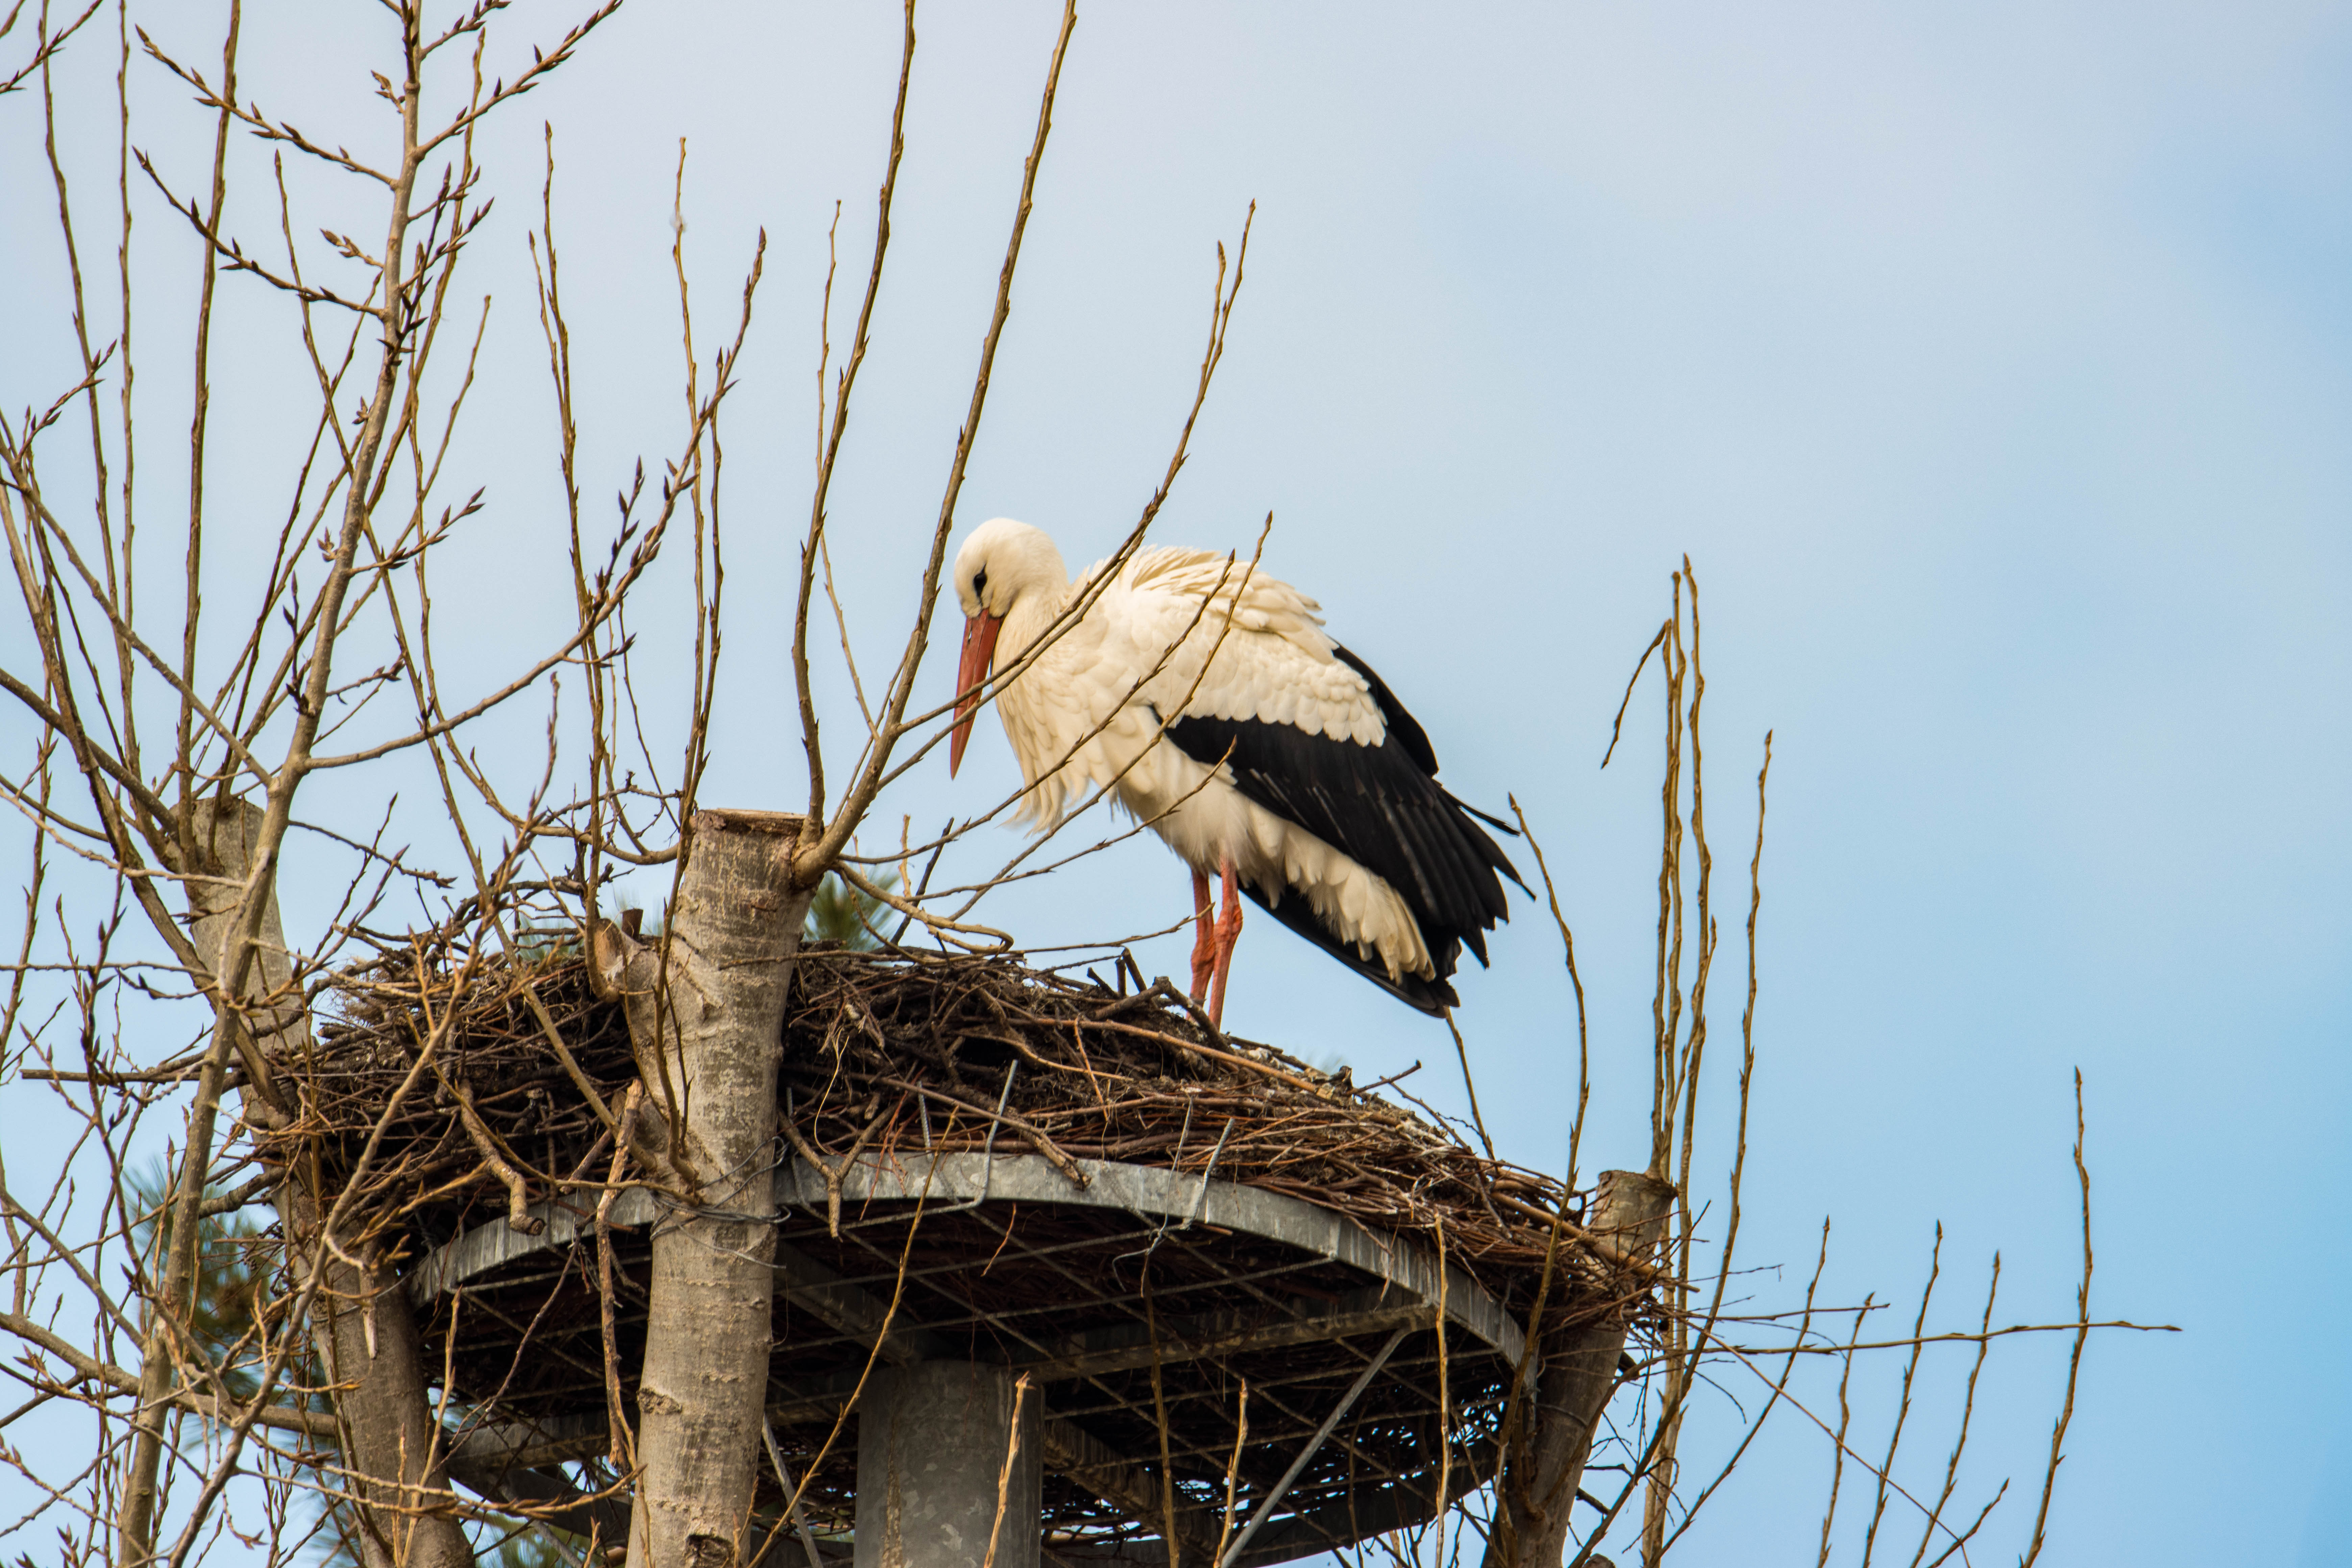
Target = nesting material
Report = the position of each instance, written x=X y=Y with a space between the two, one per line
x=887 y=1053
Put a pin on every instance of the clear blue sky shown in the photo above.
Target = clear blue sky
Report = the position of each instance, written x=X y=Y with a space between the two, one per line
x=1993 y=365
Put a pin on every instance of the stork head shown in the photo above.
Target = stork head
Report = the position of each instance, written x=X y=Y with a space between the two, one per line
x=1001 y=562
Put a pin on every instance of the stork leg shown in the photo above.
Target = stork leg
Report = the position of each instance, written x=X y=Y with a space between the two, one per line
x=1204 y=940
x=1229 y=932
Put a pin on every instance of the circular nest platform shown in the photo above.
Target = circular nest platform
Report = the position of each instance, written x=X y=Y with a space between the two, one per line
x=1081 y=1182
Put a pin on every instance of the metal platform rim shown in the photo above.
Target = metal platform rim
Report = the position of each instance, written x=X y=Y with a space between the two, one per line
x=1149 y=1191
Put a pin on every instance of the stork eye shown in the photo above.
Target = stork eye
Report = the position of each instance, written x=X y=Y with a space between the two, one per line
x=980 y=581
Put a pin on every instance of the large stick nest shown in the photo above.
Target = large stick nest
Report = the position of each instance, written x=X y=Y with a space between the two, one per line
x=884 y=1052
x=898 y=1057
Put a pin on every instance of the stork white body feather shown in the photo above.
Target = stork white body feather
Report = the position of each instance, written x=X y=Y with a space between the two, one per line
x=1178 y=632
x=1205 y=698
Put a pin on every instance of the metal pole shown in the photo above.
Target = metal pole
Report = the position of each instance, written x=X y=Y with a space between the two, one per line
x=1314 y=1444
x=784 y=1480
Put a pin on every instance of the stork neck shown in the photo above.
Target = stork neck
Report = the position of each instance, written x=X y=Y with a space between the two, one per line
x=1031 y=616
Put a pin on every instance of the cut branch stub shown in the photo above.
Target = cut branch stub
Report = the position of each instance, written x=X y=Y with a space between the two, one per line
x=705 y=1003
x=1578 y=1371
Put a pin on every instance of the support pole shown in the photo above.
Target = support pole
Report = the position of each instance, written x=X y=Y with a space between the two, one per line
x=939 y=1444
x=1545 y=1461
x=1314 y=1446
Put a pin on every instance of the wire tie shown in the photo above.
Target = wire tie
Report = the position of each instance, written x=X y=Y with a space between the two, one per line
x=1201 y=1198
x=988 y=1148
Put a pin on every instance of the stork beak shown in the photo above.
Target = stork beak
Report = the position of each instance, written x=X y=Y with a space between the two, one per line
x=979 y=652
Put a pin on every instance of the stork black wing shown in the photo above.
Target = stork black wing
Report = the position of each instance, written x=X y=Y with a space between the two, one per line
x=1430 y=997
x=1402 y=727
x=1381 y=806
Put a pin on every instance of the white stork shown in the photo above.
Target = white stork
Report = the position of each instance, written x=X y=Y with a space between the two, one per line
x=1291 y=770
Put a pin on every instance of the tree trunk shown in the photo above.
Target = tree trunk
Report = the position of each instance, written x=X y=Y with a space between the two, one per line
x=708 y=1031
x=1574 y=1379
x=361 y=1325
